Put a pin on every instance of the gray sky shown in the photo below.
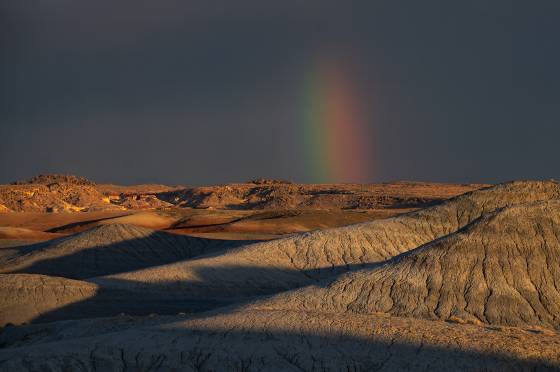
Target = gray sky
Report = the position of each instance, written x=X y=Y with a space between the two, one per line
x=203 y=92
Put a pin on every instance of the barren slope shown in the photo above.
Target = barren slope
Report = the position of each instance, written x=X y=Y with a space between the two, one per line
x=276 y=265
x=105 y=249
x=503 y=269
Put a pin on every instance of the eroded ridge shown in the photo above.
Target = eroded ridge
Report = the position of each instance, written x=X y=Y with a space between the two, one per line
x=502 y=269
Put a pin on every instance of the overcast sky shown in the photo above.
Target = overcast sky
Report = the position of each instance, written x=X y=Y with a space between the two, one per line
x=205 y=92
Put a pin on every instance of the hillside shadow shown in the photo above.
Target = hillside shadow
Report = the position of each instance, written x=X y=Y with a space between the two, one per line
x=181 y=224
x=71 y=227
x=128 y=255
x=251 y=345
x=117 y=296
x=417 y=203
x=253 y=350
x=185 y=198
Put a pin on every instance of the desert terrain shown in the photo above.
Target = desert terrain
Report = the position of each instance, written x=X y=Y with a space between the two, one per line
x=270 y=275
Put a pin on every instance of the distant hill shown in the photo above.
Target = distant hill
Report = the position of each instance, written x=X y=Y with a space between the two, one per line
x=273 y=195
x=69 y=193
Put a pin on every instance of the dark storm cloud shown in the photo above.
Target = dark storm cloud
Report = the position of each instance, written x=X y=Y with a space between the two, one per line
x=210 y=91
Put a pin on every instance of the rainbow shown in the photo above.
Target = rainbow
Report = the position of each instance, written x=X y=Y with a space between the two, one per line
x=336 y=136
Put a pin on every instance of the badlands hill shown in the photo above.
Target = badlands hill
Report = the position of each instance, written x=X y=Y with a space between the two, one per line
x=471 y=283
x=291 y=262
x=502 y=269
x=106 y=249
